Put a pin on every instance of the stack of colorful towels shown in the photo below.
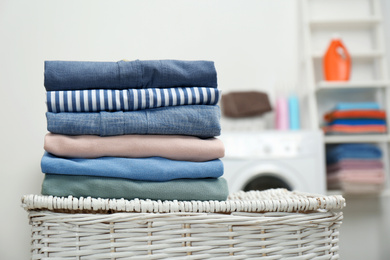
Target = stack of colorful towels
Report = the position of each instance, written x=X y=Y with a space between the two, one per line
x=356 y=118
x=355 y=168
x=133 y=129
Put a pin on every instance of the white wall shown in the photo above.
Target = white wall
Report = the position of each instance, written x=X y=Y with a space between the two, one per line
x=253 y=44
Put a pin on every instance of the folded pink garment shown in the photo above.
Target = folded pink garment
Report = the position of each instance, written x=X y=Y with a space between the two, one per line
x=354 y=164
x=175 y=147
x=357 y=176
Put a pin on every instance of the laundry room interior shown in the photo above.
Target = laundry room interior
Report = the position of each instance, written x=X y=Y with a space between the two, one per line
x=313 y=132
x=305 y=94
x=296 y=140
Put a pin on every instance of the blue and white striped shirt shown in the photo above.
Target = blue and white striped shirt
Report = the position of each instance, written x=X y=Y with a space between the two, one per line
x=96 y=100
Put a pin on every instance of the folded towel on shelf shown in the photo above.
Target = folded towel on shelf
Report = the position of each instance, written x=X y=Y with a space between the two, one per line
x=357 y=106
x=358 y=114
x=196 y=120
x=358 y=129
x=356 y=188
x=245 y=103
x=174 y=147
x=75 y=75
x=357 y=122
x=95 y=100
x=116 y=188
x=359 y=176
x=354 y=151
x=355 y=164
x=146 y=169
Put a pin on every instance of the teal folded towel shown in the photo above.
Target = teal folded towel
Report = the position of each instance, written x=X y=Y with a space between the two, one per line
x=116 y=188
x=357 y=106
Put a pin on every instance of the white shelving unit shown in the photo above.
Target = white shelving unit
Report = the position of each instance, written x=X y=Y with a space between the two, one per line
x=359 y=24
x=378 y=138
x=325 y=85
x=366 y=22
x=357 y=56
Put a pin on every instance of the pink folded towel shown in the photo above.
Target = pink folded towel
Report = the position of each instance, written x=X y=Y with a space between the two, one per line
x=357 y=176
x=175 y=147
x=355 y=164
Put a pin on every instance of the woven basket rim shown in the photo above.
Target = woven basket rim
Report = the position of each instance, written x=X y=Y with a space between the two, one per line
x=272 y=200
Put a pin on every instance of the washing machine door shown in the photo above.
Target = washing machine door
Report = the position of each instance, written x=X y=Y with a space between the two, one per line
x=266 y=175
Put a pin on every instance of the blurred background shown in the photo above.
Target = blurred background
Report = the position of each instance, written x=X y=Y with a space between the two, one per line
x=280 y=50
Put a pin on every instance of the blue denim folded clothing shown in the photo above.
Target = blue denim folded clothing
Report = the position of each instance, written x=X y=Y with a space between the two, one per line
x=196 y=120
x=96 y=100
x=144 y=169
x=116 y=188
x=352 y=151
x=76 y=75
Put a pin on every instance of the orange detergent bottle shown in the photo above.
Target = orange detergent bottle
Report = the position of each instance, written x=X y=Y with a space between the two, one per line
x=337 y=62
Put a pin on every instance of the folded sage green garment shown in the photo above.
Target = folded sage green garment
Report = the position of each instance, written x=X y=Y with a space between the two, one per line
x=116 y=188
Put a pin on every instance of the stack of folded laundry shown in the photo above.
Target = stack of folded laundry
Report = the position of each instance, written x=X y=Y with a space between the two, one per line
x=133 y=129
x=355 y=168
x=356 y=118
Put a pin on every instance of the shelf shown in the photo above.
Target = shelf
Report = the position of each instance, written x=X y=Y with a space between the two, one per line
x=374 y=138
x=359 y=56
x=323 y=85
x=345 y=23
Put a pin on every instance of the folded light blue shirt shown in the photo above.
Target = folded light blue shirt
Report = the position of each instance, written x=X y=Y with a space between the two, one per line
x=145 y=169
x=196 y=120
x=74 y=75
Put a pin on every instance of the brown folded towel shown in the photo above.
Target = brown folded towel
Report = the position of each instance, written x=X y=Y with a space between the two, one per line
x=246 y=103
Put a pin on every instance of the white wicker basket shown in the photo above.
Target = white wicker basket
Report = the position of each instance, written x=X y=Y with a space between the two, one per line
x=273 y=224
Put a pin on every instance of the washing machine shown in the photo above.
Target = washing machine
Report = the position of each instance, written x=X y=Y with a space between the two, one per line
x=275 y=159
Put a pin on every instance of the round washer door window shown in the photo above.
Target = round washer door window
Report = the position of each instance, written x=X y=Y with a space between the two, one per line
x=264 y=182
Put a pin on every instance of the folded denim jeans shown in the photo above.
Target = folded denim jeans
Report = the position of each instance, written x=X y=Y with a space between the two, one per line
x=96 y=100
x=76 y=75
x=145 y=169
x=117 y=188
x=196 y=120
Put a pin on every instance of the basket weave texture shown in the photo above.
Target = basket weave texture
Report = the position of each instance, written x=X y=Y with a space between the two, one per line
x=272 y=224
